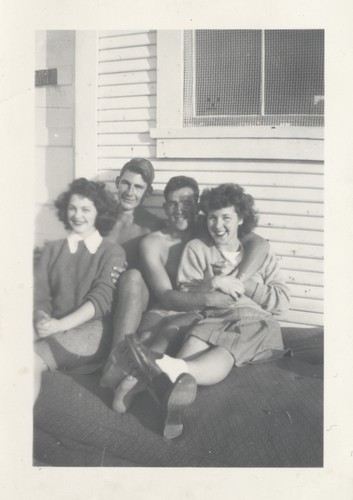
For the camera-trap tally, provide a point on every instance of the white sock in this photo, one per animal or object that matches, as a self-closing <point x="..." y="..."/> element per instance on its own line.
<point x="173" y="367"/>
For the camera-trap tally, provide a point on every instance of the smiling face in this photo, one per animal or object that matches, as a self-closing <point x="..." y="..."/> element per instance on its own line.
<point x="131" y="190"/>
<point x="180" y="209"/>
<point x="81" y="215"/>
<point x="222" y="224"/>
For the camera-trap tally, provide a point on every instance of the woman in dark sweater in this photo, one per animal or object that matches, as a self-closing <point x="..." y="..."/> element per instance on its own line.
<point x="73" y="290"/>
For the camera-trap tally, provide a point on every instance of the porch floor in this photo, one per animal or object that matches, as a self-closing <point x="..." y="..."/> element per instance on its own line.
<point x="266" y="415"/>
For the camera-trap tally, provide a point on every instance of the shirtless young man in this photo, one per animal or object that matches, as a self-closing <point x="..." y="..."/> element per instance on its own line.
<point x="160" y="254"/>
<point x="133" y="223"/>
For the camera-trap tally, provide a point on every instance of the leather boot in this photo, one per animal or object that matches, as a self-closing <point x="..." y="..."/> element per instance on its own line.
<point x="173" y="398"/>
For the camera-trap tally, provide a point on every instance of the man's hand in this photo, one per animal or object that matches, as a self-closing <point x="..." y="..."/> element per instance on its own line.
<point x="48" y="326"/>
<point x="229" y="285"/>
<point x="117" y="272"/>
<point x="219" y="300"/>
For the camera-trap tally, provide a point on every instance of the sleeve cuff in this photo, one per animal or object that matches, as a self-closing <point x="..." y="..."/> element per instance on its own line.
<point x="255" y="291"/>
<point x="98" y="312"/>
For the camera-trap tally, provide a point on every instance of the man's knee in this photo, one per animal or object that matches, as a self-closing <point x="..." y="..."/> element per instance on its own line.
<point x="131" y="277"/>
<point x="132" y="288"/>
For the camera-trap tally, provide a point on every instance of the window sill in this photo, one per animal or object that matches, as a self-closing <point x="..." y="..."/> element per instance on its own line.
<point x="273" y="132"/>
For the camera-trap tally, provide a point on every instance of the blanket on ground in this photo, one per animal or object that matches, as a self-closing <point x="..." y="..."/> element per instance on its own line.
<point x="265" y="415"/>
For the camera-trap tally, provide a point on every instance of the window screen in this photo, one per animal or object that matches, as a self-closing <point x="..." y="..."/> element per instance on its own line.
<point x="253" y="77"/>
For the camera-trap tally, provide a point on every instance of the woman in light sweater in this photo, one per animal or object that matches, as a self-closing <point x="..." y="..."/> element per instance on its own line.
<point x="73" y="290"/>
<point x="246" y="332"/>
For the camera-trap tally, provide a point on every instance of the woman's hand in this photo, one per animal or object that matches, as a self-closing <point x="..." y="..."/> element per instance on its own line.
<point x="229" y="285"/>
<point x="39" y="315"/>
<point x="48" y="326"/>
<point x="116" y="272"/>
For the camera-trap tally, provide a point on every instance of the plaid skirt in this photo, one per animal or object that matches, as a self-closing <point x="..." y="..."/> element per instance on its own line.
<point x="250" y="334"/>
<point x="80" y="350"/>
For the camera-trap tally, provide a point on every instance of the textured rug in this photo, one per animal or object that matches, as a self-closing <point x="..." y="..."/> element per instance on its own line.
<point x="266" y="415"/>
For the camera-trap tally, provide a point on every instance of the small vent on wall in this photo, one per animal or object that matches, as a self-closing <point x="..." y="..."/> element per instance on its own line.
<point x="46" y="77"/>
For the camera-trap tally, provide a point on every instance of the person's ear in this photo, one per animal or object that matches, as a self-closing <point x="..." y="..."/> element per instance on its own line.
<point x="117" y="180"/>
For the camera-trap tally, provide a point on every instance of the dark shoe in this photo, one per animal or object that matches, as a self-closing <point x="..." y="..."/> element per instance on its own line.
<point x="173" y="398"/>
<point x="142" y="359"/>
<point x="117" y="366"/>
<point x="182" y="394"/>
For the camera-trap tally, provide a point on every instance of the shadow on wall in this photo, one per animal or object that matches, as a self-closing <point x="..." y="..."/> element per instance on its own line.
<point x="47" y="226"/>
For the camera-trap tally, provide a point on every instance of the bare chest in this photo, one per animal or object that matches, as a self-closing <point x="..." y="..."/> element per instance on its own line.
<point x="124" y="232"/>
<point x="170" y="256"/>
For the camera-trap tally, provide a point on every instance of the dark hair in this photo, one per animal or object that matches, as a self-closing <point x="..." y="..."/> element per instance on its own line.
<point x="179" y="182"/>
<point x="227" y="195"/>
<point x="139" y="166"/>
<point x="106" y="205"/>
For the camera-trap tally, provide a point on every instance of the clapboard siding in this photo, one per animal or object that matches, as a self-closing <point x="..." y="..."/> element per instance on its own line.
<point x="126" y="95"/>
<point x="120" y="115"/>
<point x="139" y="101"/>
<point x="128" y="78"/>
<point x="135" y="89"/>
<point x="121" y="127"/>
<point x="121" y="39"/>
<point x="289" y="191"/>
<point x="129" y="65"/>
<point x="125" y="139"/>
<point x="235" y="166"/>
<point x="271" y="207"/>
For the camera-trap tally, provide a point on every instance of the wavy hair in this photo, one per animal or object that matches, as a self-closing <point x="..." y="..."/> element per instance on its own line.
<point x="227" y="195"/>
<point x="179" y="182"/>
<point x="104" y="201"/>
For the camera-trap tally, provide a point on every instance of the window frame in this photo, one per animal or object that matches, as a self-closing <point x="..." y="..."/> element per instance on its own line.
<point x="250" y="142"/>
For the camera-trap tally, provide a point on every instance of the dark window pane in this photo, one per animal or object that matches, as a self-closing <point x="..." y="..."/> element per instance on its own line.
<point x="294" y="72"/>
<point x="228" y="72"/>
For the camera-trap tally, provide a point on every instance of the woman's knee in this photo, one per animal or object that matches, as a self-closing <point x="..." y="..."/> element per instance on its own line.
<point x="191" y="347"/>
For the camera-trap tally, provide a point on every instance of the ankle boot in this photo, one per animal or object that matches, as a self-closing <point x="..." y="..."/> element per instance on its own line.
<point x="173" y="398"/>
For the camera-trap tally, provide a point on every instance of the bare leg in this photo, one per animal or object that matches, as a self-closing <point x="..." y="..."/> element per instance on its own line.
<point x="132" y="301"/>
<point x="123" y="394"/>
<point x="165" y="334"/>
<point x="211" y="366"/>
<point x="192" y="347"/>
<point x="150" y="325"/>
<point x="207" y="364"/>
<point x="158" y="333"/>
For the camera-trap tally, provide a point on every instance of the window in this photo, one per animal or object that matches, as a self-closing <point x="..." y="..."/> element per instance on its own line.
<point x="240" y="94"/>
<point x="253" y="77"/>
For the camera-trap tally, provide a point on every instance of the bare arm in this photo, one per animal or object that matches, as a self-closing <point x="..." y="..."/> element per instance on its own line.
<point x="49" y="326"/>
<point x="255" y="252"/>
<point x="159" y="282"/>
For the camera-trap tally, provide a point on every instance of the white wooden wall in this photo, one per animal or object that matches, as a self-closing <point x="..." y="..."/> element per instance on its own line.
<point x="289" y="194"/>
<point x="54" y="125"/>
<point x="126" y="96"/>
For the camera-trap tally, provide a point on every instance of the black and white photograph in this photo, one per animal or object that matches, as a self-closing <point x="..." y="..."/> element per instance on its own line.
<point x="175" y="305"/>
<point x="178" y="283"/>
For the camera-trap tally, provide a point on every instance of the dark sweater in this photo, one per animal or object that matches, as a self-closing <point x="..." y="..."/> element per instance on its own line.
<point x="64" y="281"/>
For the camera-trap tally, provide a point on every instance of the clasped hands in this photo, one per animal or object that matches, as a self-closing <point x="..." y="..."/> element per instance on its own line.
<point x="229" y="285"/>
<point x="45" y="325"/>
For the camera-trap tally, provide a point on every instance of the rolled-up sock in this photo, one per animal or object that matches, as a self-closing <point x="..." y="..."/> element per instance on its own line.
<point x="173" y="367"/>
